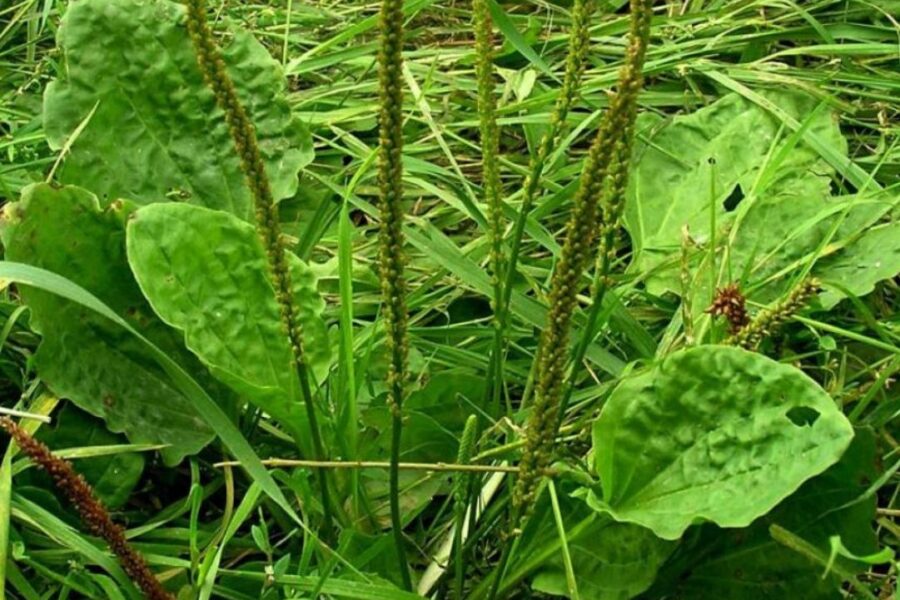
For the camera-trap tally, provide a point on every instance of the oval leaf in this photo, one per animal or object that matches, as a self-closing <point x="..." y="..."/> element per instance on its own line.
<point x="712" y="433"/>
<point x="133" y="76"/>
<point x="83" y="357"/>
<point x="747" y="564"/>
<point x="874" y="257"/>
<point x="113" y="477"/>
<point x="205" y="273"/>
<point x="707" y="156"/>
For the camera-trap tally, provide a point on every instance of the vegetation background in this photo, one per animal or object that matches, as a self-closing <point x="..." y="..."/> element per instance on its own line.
<point x="764" y="72"/>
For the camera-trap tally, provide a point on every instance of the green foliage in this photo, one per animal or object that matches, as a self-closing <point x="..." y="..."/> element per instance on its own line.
<point x="204" y="273"/>
<point x="735" y="151"/>
<point x="699" y="159"/>
<point x="113" y="478"/>
<point x="611" y="561"/>
<point x="872" y="257"/>
<point x="712" y="434"/>
<point x="151" y="303"/>
<point x="131" y="71"/>
<point x="748" y="563"/>
<point x="82" y="356"/>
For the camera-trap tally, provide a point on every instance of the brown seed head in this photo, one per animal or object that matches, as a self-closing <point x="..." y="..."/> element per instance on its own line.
<point x="93" y="514"/>
<point x="730" y="303"/>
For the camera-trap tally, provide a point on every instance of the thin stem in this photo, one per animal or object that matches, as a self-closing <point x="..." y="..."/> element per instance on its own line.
<point x="392" y="256"/>
<point x="377" y="464"/>
<point x="396" y="520"/>
<point x="24" y="415"/>
<point x="243" y="134"/>
<point x="500" y="571"/>
<point x="490" y="148"/>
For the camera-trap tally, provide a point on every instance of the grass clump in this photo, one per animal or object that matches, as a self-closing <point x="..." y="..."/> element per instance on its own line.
<point x="526" y="242"/>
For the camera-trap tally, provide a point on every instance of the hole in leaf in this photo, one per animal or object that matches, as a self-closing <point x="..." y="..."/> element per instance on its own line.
<point x="842" y="187"/>
<point x="733" y="199"/>
<point x="802" y="415"/>
<point x="835" y="188"/>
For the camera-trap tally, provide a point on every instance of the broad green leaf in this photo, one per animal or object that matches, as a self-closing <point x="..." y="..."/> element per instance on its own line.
<point x="699" y="160"/>
<point x="205" y="272"/>
<point x="783" y="233"/>
<point x="774" y="211"/>
<point x="213" y="414"/>
<point x="712" y="433"/>
<point x="156" y="131"/>
<point x="82" y="356"/>
<point x="875" y="256"/>
<point x="747" y="564"/>
<point x="611" y="561"/>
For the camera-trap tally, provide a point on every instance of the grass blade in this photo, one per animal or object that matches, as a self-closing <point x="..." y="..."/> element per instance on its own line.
<point x="206" y="407"/>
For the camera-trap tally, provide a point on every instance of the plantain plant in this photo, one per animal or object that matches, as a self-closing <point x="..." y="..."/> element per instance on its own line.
<point x="178" y="279"/>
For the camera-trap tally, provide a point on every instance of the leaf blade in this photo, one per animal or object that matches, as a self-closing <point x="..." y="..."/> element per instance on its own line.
<point x="713" y="433"/>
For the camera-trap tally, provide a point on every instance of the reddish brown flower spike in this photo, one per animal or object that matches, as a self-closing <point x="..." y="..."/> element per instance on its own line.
<point x="731" y="304"/>
<point x="93" y="514"/>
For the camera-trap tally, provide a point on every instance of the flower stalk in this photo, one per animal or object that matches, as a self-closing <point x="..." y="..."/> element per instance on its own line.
<point x="768" y="321"/>
<point x="93" y="513"/>
<point x="243" y="133"/>
<point x="461" y="494"/>
<point x="579" y="42"/>
<point x="392" y="257"/>
<point x="490" y="149"/>
<point x="596" y="212"/>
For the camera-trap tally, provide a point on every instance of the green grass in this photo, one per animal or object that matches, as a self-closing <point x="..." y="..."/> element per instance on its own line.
<point x="233" y="533"/>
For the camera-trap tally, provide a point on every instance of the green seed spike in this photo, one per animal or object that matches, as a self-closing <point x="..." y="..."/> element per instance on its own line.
<point x="209" y="59"/>
<point x="612" y="204"/>
<point x="579" y="42"/>
<point x="392" y="257"/>
<point x="490" y="148"/>
<point x="461" y="497"/>
<point x="595" y="209"/>
<point x="769" y="320"/>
